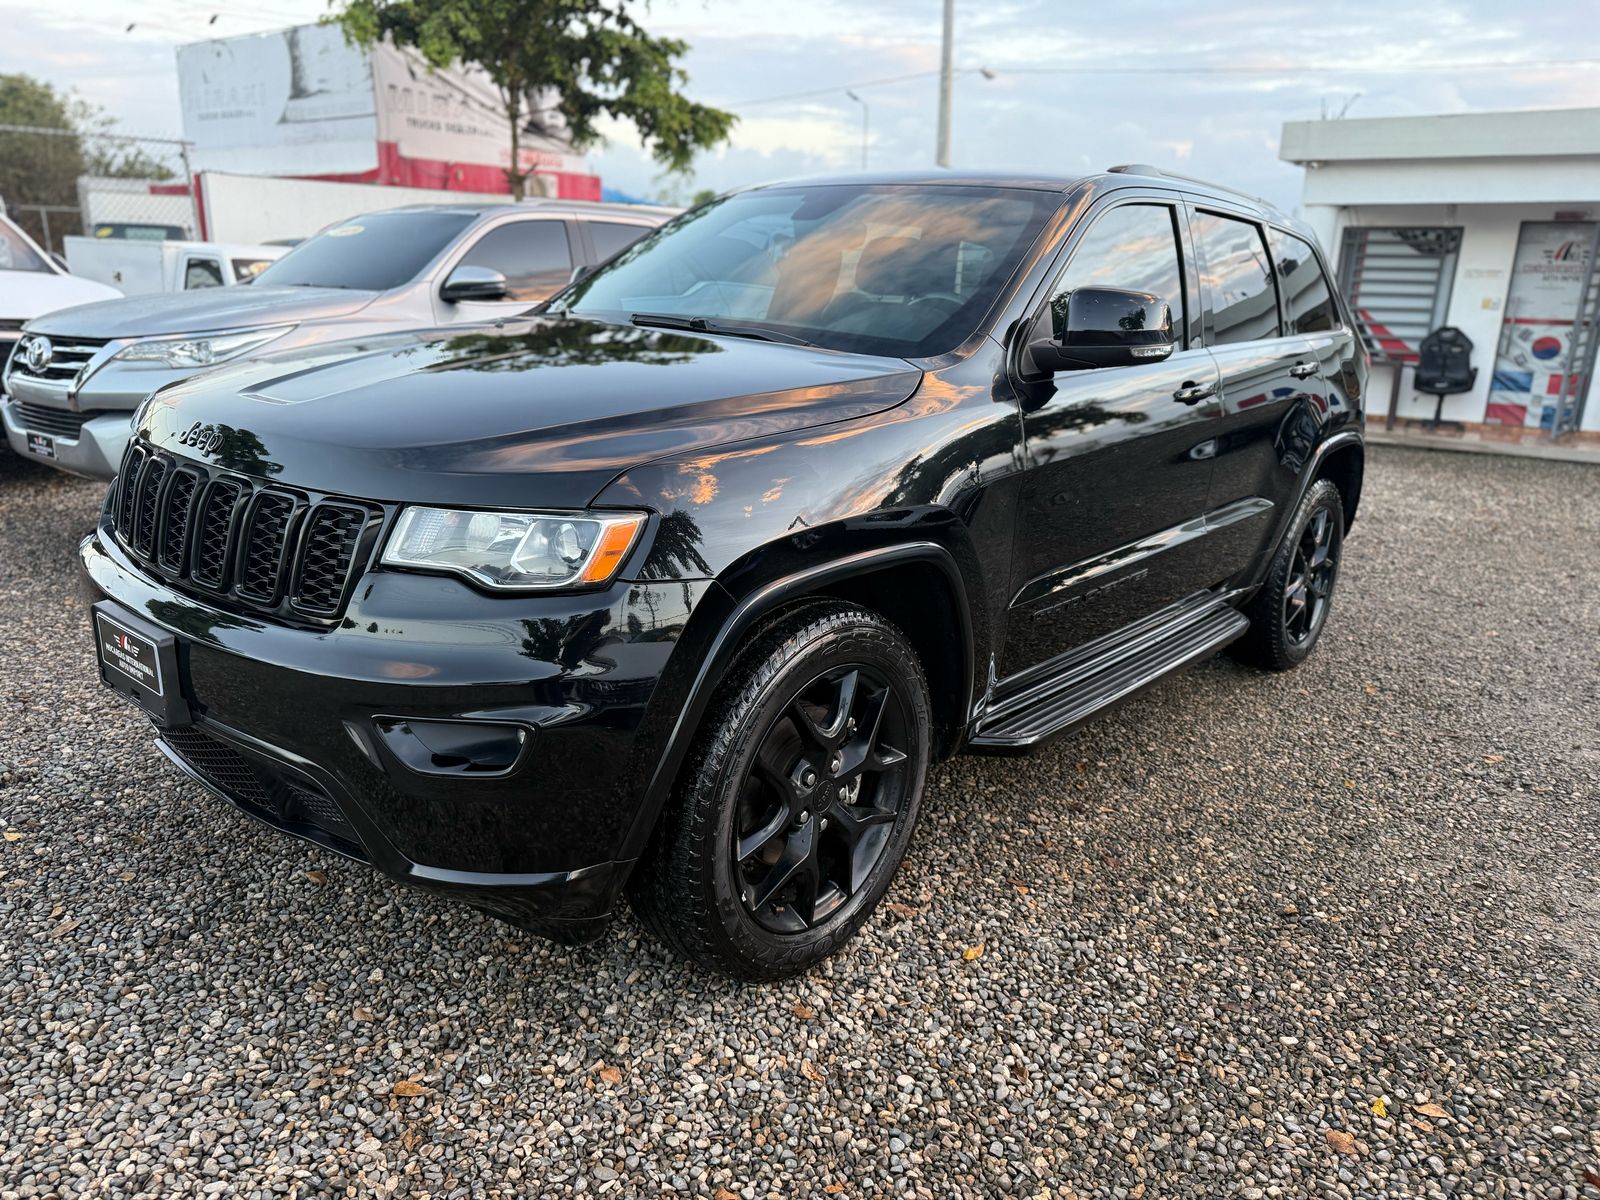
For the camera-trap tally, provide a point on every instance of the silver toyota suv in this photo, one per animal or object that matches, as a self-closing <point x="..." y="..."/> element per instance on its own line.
<point x="77" y="375"/>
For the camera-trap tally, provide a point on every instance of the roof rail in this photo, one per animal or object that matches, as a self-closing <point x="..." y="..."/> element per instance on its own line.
<point x="1147" y="169"/>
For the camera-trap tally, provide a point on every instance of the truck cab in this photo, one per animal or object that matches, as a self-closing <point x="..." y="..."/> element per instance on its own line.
<point x="139" y="267"/>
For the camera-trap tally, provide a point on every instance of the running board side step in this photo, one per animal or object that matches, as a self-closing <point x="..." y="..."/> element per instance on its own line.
<point x="1094" y="683"/>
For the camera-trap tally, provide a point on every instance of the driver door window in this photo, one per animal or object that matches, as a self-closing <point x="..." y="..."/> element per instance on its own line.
<point x="534" y="256"/>
<point x="1134" y="247"/>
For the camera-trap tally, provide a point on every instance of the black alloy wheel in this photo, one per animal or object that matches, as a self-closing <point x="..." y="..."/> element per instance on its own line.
<point x="819" y="799"/>
<point x="1290" y="610"/>
<point x="1311" y="576"/>
<point x="798" y="801"/>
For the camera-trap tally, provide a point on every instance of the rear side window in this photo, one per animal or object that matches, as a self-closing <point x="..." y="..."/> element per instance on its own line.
<point x="608" y="237"/>
<point x="1236" y="280"/>
<point x="1134" y="247"/>
<point x="1307" y="298"/>
<point x="532" y="255"/>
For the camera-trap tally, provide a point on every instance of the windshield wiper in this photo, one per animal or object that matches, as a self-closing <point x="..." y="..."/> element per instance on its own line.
<point x="714" y="325"/>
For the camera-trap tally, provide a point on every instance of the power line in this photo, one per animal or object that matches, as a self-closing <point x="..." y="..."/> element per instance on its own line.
<point x="1287" y="69"/>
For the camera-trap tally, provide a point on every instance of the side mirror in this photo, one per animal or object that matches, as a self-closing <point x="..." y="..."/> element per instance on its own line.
<point x="474" y="283"/>
<point x="1103" y="327"/>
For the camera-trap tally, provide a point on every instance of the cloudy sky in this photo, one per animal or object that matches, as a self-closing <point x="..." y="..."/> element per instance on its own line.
<point x="1200" y="88"/>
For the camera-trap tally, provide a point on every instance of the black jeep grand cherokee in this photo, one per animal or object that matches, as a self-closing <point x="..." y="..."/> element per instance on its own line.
<point x="679" y="584"/>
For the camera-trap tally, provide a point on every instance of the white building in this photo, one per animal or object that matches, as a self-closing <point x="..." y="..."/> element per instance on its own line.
<point x="1486" y="221"/>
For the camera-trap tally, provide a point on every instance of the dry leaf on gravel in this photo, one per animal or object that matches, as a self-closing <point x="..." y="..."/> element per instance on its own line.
<point x="833" y="1189"/>
<point x="723" y="1193"/>
<point x="1380" y="1107"/>
<point x="611" y="1075"/>
<point x="1432" y="1110"/>
<point x="972" y="952"/>
<point x="11" y="835"/>
<point x="1341" y="1141"/>
<point x="410" y="1087"/>
<point x="1022" y="888"/>
<point x="803" y="1011"/>
<point x="317" y="876"/>
<point x="810" y="1071"/>
<point x="1494" y="758"/>
<point x="364" y="1014"/>
<point x="903" y="911"/>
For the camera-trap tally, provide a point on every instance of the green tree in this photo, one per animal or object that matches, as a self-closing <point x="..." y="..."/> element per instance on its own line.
<point x="591" y="56"/>
<point x="38" y="168"/>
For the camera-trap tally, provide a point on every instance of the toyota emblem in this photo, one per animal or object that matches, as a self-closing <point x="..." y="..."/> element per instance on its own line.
<point x="36" y="353"/>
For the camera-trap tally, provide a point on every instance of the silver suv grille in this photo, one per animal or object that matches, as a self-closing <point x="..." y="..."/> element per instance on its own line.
<point x="68" y="356"/>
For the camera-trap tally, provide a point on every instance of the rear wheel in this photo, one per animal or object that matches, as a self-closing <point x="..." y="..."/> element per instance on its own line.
<point x="799" y="799"/>
<point x="1288" y="614"/>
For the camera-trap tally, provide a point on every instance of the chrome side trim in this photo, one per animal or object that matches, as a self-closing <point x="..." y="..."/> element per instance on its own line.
<point x="1063" y="579"/>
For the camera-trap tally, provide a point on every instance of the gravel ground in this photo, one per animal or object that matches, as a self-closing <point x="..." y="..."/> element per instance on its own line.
<point x="1334" y="933"/>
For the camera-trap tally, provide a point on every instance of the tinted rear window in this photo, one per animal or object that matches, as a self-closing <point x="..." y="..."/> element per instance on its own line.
<point x="1307" y="299"/>
<point x="371" y="253"/>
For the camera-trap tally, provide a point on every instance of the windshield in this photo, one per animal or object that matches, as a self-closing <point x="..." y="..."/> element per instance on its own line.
<point x="16" y="254"/>
<point x="373" y="253"/>
<point x="882" y="269"/>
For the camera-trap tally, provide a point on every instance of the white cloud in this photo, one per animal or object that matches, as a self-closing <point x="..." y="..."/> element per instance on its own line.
<point x="1223" y="126"/>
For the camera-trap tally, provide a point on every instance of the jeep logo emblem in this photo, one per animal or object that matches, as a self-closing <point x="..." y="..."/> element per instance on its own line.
<point x="204" y="438"/>
<point x="36" y="353"/>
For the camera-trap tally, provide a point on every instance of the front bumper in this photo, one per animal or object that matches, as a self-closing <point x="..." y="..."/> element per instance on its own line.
<point x="103" y="398"/>
<point x="94" y="449"/>
<point x="286" y="725"/>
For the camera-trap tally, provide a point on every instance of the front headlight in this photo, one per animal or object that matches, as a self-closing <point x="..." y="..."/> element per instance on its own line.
<point x="199" y="349"/>
<point x="515" y="550"/>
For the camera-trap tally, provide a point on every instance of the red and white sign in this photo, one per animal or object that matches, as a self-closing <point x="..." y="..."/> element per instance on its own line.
<point x="301" y="102"/>
<point x="1531" y="363"/>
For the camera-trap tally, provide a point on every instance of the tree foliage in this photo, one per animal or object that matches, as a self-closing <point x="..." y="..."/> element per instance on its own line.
<point x="585" y="59"/>
<point x="38" y="168"/>
<point x="41" y="169"/>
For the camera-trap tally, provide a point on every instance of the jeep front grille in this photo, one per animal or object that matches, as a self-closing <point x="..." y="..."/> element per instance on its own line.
<point x="270" y="548"/>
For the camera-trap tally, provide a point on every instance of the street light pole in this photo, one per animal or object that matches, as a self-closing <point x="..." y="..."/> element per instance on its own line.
<point x="946" y="60"/>
<point x="863" y="104"/>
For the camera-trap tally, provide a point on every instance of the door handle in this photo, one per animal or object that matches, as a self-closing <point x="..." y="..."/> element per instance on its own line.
<point x="1303" y="370"/>
<point x="1193" y="393"/>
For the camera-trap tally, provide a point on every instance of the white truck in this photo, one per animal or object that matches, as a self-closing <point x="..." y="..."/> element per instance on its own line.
<point x="139" y="267"/>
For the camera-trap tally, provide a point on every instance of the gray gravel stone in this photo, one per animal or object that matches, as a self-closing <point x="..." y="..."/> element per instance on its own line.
<point x="1258" y="911"/>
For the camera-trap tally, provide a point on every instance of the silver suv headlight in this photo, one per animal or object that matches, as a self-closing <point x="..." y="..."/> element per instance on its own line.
<point x="200" y="349"/>
<point x="515" y="550"/>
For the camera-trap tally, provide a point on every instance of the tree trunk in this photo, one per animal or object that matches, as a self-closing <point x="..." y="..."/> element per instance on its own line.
<point x="514" y="174"/>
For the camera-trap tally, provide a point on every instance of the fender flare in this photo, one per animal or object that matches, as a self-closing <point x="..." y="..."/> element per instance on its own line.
<point x="1347" y="437"/>
<point x="746" y="613"/>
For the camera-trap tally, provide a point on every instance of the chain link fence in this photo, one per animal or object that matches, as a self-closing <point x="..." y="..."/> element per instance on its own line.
<point x="56" y="183"/>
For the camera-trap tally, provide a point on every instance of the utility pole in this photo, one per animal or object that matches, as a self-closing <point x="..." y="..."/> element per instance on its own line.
<point x="946" y="71"/>
<point x="863" y="104"/>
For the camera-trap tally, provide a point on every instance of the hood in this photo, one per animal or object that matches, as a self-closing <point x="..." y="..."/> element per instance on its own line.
<point x="537" y="413"/>
<point x="204" y="310"/>
<point x="28" y="294"/>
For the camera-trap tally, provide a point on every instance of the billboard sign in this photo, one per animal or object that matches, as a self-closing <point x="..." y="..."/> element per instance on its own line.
<point x="303" y="102"/>
<point x="295" y="101"/>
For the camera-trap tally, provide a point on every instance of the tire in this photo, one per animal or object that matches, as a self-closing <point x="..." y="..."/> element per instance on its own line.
<point x="1289" y="612"/>
<point x="797" y="802"/>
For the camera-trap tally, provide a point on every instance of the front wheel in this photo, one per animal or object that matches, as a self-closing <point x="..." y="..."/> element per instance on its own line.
<point x="1288" y="614"/>
<point x="798" y="801"/>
